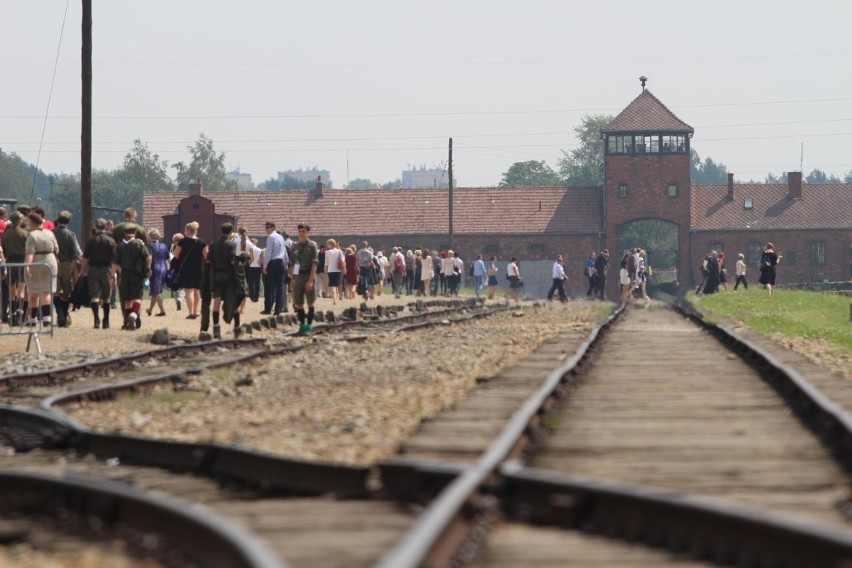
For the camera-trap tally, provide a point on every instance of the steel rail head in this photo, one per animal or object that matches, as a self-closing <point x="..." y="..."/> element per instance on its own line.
<point x="28" y="428"/>
<point x="197" y="532"/>
<point x="704" y="527"/>
<point x="425" y="537"/>
<point x="824" y="417"/>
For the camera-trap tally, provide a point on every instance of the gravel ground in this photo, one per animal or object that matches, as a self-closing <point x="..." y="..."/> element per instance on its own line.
<point x="342" y="402"/>
<point x="82" y="342"/>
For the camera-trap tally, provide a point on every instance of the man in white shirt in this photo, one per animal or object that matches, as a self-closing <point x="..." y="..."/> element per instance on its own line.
<point x="275" y="260"/>
<point x="558" y="281"/>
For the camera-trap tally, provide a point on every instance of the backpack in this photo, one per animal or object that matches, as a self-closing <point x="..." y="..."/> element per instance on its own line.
<point x="470" y="269"/>
<point x="399" y="263"/>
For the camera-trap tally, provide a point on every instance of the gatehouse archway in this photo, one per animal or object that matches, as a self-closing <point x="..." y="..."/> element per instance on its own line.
<point x="659" y="239"/>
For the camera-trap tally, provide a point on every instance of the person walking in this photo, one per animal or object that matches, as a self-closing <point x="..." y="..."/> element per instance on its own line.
<point x="41" y="248"/>
<point x="741" y="272"/>
<point x="427" y="272"/>
<point x="178" y="295"/>
<point x="68" y="259"/>
<point x="335" y="267"/>
<point x="97" y="266"/>
<point x="478" y="271"/>
<point x="132" y="263"/>
<point x="723" y="271"/>
<point x="592" y="274"/>
<point x="601" y="263"/>
<point x="711" y="284"/>
<point x="492" y="277"/>
<point x="558" y="273"/>
<point x="14" y="248"/>
<point x="159" y="260"/>
<point x="303" y="271"/>
<point x="275" y="259"/>
<point x="513" y="272"/>
<point x="190" y="251"/>
<point x="226" y="279"/>
<point x="768" y="261"/>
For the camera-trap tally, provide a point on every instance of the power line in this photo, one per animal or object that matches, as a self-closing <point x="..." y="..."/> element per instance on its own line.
<point x="425" y="137"/>
<point x="49" y="98"/>
<point x="448" y="63"/>
<point x="411" y="114"/>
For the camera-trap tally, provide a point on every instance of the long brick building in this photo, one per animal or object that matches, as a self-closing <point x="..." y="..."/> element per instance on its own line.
<point x="647" y="200"/>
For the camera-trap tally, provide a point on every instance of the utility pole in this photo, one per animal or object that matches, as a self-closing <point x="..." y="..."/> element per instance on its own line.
<point x="450" y="173"/>
<point x="86" y="127"/>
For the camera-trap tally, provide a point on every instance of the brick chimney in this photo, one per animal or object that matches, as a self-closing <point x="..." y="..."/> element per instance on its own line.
<point x="794" y="185"/>
<point x="319" y="186"/>
<point x="195" y="188"/>
<point x="730" y="187"/>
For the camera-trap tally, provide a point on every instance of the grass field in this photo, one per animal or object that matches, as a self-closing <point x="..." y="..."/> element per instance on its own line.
<point x="793" y="313"/>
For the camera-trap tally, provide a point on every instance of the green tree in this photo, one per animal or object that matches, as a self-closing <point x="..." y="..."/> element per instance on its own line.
<point x="772" y="178"/>
<point x="848" y="177"/>
<point x="583" y="166"/>
<point x="16" y="180"/>
<point x="530" y="174"/>
<point x="361" y="183"/>
<point x="207" y="166"/>
<point x="708" y="171"/>
<point x="819" y="176"/>
<point x="144" y="169"/>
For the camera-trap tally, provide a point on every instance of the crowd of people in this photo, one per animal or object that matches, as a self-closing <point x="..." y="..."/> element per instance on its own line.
<point x="124" y="260"/>
<point x="714" y="271"/>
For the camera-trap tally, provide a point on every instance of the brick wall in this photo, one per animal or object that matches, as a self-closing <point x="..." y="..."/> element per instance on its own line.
<point x="647" y="177"/>
<point x="795" y="245"/>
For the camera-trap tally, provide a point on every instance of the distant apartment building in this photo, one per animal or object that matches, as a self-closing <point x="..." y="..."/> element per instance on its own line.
<point x="423" y="177"/>
<point x="307" y="175"/>
<point x="243" y="180"/>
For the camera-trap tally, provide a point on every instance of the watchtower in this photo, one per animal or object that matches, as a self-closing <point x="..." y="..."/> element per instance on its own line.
<point x="647" y="188"/>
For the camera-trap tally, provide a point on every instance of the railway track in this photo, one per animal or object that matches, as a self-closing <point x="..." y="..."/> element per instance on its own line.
<point x="667" y="437"/>
<point x="288" y="491"/>
<point x="644" y="466"/>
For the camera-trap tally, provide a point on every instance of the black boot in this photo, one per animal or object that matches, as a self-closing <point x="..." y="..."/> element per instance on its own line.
<point x="105" y="324"/>
<point x="94" y="307"/>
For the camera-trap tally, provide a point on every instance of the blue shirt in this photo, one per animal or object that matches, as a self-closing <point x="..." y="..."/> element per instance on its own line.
<point x="275" y="249"/>
<point x="478" y="267"/>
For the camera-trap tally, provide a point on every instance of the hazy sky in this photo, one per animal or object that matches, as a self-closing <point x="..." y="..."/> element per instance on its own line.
<point x="281" y="84"/>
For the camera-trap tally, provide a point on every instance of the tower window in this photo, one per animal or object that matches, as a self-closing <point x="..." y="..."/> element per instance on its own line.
<point x="674" y="143"/>
<point x="619" y="144"/>
<point x="622" y="190"/>
<point x="672" y="190"/>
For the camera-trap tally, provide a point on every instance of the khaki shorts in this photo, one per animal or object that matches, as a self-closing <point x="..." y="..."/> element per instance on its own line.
<point x="99" y="285"/>
<point x="130" y="286"/>
<point x="299" y="292"/>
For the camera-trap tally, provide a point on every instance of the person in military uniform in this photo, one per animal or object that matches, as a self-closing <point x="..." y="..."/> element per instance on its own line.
<point x="227" y="279"/>
<point x="68" y="256"/>
<point x="14" y="245"/>
<point x="97" y="260"/>
<point x="128" y="220"/>
<point x="132" y="263"/>
<point x="304" y="257"/>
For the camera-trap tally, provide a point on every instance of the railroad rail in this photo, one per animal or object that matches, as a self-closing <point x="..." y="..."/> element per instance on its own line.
<point x="462" y="498"/>
<point x="466" y="490"/>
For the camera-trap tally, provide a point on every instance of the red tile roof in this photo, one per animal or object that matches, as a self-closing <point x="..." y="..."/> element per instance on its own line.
<point x="823" y="206"/>
<point x="646" y="114"/>
<point x="521" y="210"/>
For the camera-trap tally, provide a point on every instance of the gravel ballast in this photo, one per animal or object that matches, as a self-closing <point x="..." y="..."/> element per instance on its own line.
<point x="341" y="402"/>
